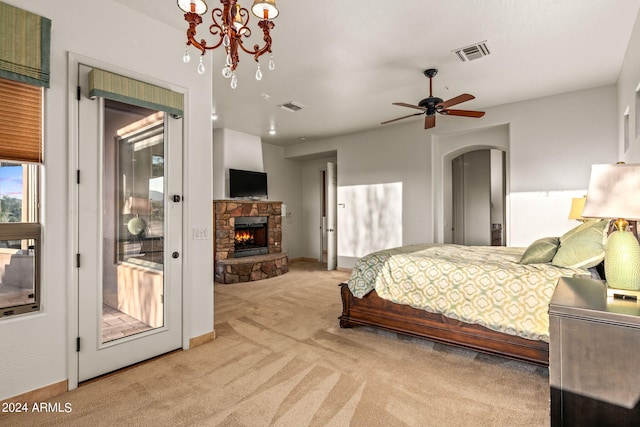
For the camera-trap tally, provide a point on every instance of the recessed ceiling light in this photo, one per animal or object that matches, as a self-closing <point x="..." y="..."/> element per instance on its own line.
<point x="214" y="116"/>
<point x="272" y="131"/>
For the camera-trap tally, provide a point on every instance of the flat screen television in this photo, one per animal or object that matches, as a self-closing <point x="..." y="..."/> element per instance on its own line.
<point x="247" y="184"/>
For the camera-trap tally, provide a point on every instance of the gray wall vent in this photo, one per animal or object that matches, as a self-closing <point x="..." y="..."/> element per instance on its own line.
<point x="470" y="53"/>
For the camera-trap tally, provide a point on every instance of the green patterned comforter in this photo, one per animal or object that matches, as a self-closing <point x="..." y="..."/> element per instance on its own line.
<point x="474" y="284"/>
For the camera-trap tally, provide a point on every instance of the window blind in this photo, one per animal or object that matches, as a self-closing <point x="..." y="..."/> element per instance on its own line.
<point x="20" y="122"/>
<point x="123" y="89"/>
<point x="25" y="42"/>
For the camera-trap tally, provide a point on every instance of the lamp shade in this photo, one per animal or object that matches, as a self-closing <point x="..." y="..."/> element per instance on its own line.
<point x="196" y="6"/>
<point x="614" y="192"/>
<point x="265" y="9"/>
<point x="577" y="205"/>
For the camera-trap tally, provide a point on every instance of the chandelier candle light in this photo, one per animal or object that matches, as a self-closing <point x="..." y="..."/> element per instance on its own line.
<point x="230" y="24"/>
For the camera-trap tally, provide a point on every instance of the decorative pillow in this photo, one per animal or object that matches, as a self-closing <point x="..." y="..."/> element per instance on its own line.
<point x="541" y="251"/>
<point x="585" y="224"/>
<point x="583" y="246"/>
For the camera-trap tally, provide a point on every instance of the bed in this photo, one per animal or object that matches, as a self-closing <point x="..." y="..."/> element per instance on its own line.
<point x="491" y="299"/>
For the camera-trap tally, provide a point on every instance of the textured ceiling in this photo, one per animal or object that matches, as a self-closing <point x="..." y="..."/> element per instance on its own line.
<point x="347" y="61"/>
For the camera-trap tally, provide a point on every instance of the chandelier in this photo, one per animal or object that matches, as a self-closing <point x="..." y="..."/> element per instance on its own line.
<point x="230" y="24"/>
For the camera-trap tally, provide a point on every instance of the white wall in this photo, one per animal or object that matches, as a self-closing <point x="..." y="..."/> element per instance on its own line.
<point x="36" y="347"/>
<point x="551" y="145"/>
<point x="386" y="155"/>
<point x="219" y="178"/>
<point x="628" y="86"/>
<point x="541" y="214"/>
<point x="377" y="209"/>
<point x="235" y="150"/>
<point x="285" y="186"/>
<point x="555" y="154"/>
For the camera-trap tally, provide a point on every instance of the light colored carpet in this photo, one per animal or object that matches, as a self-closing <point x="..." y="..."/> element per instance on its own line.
<point x="281" y="359"/>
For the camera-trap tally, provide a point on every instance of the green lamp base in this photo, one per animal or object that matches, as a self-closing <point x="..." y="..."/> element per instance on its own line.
<point x="622" y="261"/>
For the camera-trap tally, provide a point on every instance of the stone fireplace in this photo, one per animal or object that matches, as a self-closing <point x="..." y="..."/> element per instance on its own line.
<point x="247" y="241"/>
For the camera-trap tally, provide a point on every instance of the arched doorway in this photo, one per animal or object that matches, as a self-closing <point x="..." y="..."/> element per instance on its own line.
<point x="478" y="198"/>
<point x="448" y="147"/>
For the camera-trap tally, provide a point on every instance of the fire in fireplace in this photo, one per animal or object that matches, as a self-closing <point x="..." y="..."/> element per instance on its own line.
<point x="251" y="236"/>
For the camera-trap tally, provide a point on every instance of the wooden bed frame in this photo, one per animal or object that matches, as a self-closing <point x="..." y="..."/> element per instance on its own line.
<point x="375" y="311"/>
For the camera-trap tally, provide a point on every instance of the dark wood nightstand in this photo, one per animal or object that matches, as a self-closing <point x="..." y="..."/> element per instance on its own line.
<point x="594" y="356"/>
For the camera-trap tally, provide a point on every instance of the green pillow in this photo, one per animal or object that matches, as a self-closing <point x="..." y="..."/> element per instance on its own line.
<point x="583" y="225"/>
<point x="582" y="247"/>
<point x="541" y="251"/>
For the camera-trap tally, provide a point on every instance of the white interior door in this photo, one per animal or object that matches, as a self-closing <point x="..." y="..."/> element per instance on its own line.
<point x="477" y="204"/>
<point x="471" y="198"/>
<point x="457" y="183"/>
<point x="129" y="233"/>
<point x="332" y="216"/>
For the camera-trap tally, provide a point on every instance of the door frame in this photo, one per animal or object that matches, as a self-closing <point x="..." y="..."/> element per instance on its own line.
<point x="332" y="215"/>
<point x="323" y="203"/>
<point x="472" y="176"/>
<point x="444" y="148"/>
<point x="73" y="62"/>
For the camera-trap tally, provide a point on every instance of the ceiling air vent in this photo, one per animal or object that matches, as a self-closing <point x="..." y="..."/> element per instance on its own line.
<point x="291" y="106"/>
<point x="472" y="52"/>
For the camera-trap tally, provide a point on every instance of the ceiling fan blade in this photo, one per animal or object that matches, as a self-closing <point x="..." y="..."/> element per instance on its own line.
<point x="402" y="104"/>
<point x="400" y="118"/>
<point x="464" y="113"/>
<point x="456" y="100"/>
<point x="429" y="122"/>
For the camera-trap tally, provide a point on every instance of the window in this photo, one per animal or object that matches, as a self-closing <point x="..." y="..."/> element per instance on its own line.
<point x="20" y="230"/>
<point x="25" y="45"/>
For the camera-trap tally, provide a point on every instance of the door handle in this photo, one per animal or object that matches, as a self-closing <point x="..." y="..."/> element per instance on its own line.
<point x="175" y="255"/>
<point x="176" y="198"/>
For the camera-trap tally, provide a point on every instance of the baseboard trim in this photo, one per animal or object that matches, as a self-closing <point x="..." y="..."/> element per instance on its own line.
<point x="41" y="394"/>
<point x="202" y="339"/>
<point x="304" y="259"/>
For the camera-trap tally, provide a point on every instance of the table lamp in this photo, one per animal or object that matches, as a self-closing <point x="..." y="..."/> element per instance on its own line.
<point x="577" y="205"/>
<point x="614" y="193"/>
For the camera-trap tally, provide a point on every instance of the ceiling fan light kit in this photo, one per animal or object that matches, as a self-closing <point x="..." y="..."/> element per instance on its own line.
<point x="230" y="25"/>
<point x="432" y="105"/>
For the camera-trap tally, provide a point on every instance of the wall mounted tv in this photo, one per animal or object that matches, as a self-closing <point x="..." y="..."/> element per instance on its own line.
<point x="247" y="184"/>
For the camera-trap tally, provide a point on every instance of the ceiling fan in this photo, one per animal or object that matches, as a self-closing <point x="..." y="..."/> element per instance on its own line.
<point x="432" y="105"/>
